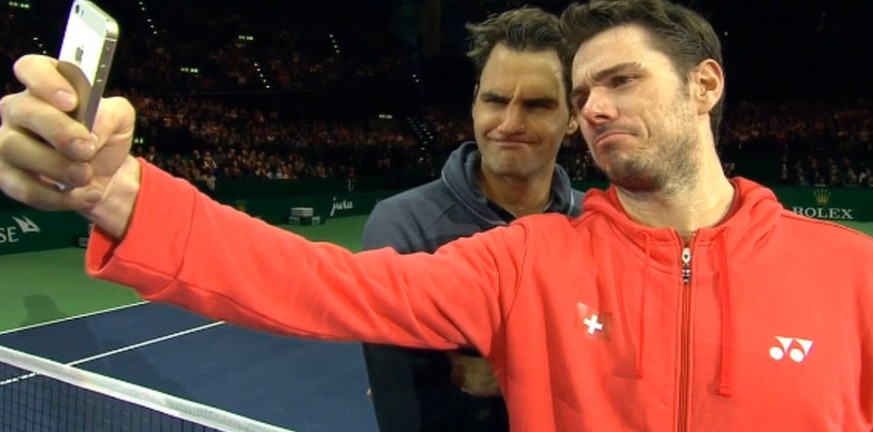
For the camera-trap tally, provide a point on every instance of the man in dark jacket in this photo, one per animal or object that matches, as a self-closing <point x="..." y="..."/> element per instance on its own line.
<point x="521" y="116"/>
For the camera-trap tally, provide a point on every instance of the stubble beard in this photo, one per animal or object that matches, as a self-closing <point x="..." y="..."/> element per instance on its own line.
<point x="664" y="168"/>
<point x="667" y="165"/>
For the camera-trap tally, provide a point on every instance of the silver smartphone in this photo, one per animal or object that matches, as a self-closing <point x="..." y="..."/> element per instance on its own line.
<point x="86" y="54"/>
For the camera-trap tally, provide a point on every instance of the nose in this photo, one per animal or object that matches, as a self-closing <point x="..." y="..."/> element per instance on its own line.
<point x="513" y="121"/>
<point x="599" y="108"/>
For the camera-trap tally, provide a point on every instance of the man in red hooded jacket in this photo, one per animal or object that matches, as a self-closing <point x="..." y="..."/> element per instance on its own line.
<point x="680" y="300"/>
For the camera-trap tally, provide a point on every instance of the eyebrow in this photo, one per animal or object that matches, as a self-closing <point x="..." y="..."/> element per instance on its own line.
<point x="544" y="101"/>
<point x="491" y="96"/>
<point x="602" y="74"/>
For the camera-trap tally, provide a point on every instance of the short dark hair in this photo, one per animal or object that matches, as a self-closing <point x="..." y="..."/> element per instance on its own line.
<point x="526" y="29"/>
<point x="685" y="36"/>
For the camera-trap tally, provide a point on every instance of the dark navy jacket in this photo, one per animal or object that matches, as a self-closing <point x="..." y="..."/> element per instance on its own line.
<point x="411" y="388"/>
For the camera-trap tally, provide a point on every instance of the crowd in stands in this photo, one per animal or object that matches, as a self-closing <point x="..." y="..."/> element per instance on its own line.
<point x="823" y="143"/>
<point x="201" y="139"/>
<point x="187" y="126"/>
<point x="250" y="52"/>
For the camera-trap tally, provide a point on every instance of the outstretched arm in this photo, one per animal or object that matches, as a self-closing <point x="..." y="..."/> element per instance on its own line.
<point x="183" y="248"/>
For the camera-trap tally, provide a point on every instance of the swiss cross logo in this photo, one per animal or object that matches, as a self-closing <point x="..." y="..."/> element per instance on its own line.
<point x="589" y="321"/>
<point x="794" y="348"/>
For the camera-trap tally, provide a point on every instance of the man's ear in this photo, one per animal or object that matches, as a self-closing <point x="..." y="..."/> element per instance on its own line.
<point x="707" y="80"/>
<point x="573" y="124"/>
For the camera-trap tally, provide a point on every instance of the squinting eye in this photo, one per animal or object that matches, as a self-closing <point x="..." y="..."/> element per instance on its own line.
<point x="536" y="107"/>
<point x="622" y="80"/>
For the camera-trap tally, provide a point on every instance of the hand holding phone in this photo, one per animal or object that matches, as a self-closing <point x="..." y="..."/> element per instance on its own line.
<point x="86" y="54"/>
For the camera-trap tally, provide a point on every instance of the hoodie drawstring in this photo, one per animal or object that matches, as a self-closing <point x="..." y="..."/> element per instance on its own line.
<point x="642" y="323"/>
<point x="725" y="386"/>
<point x="725" y="380"/>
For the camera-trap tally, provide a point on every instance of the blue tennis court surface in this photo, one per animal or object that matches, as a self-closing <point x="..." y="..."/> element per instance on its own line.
<point x="301" y="385"/>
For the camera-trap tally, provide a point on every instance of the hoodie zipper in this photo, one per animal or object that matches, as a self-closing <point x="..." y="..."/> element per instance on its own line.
<point x="686" y="265"/>
<point x="684" y="354"/>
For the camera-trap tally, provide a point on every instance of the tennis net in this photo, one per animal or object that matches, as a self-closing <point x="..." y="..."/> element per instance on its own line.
<point x="38" y="394"/>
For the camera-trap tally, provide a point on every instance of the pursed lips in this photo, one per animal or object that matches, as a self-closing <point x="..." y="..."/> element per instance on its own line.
<point x="511" y="142"/>
<point x="606" y="135"/>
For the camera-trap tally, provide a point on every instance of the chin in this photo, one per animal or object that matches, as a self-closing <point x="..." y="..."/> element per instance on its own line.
<point x="638" y="183"/>
<point x="631" y="177"/>
<point x="510" y="169"/>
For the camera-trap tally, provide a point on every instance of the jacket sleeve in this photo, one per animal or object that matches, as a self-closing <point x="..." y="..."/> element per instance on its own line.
<point x="185" y="249"/>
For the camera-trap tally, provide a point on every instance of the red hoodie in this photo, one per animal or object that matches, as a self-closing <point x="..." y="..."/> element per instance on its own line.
<point x="765" y="323"/>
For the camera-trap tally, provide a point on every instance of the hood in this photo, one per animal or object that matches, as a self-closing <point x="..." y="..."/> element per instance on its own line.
<point x="751" y="223"/>
<point x="460" y="175"/>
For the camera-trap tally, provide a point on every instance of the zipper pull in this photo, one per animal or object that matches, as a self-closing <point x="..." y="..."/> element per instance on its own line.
<point x="686" y="265"/>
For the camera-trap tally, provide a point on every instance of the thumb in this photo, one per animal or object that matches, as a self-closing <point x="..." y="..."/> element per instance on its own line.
<point x="115" y="120"/>
<point x="113" y="130"/>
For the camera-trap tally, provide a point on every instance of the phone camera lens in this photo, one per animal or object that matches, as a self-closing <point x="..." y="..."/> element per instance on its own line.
<point x="77" y="8"/>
